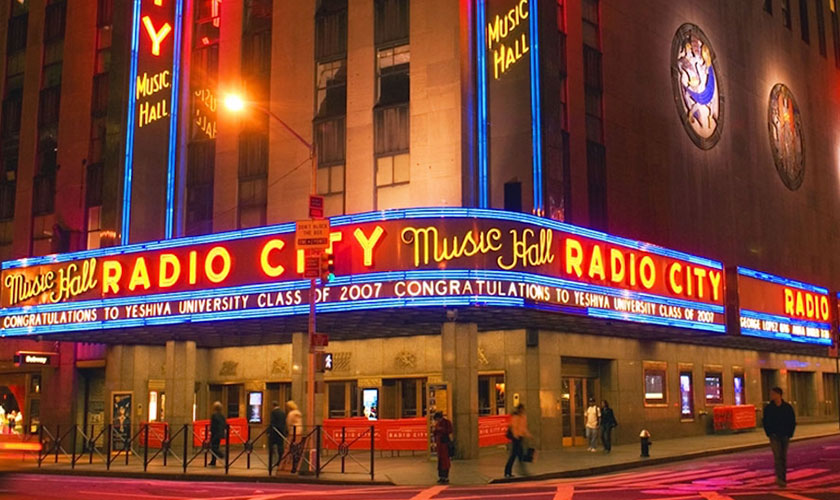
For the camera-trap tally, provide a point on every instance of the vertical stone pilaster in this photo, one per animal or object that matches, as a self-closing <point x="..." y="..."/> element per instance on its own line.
<point x="299" y="366"/>
<point x="459" y="351"/>
<point x="180" y="382"/>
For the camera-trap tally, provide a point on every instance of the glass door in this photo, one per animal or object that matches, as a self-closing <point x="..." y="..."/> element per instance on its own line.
<point x="576" y="394"/>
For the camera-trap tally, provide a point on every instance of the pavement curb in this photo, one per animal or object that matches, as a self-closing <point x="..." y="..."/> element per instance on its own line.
<point x="606" y="469"/>
<point x="167" y="476"/>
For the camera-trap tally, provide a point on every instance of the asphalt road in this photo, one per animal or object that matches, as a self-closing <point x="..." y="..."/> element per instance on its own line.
<point x="814" y="474"/>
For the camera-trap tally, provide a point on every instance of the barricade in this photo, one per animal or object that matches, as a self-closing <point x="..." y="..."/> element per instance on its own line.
<point x="734" y="418"/>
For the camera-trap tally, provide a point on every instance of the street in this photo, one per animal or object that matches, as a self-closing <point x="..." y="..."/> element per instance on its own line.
<point x="813" y="474"/>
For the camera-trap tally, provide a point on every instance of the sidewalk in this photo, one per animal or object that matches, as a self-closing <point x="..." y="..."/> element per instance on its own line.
<point x="577" y="462"/>
<point x="421" y="470"/>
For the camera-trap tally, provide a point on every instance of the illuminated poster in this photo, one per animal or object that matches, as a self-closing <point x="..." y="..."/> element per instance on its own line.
<point x="782" y="309"/>
<point x="509" y="133"/>
<point x="121" y="420"/>
<point x="151" y="131"/>
<point x="370" y="403"/>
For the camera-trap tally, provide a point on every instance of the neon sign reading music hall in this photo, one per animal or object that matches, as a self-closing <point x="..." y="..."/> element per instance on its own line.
<point x="399" y="258"/>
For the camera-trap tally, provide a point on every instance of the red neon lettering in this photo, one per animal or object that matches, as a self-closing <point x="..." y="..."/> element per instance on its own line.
<point x="155" y="35"/>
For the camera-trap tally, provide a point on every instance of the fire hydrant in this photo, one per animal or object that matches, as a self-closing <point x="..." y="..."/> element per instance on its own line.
<point x="644" y="437"/>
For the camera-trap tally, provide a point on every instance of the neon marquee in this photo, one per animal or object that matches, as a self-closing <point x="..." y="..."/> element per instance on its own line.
<point x="782" y="309"/>
<point x="399" y="258"/>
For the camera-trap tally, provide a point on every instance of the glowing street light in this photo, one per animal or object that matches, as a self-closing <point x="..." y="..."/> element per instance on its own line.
<point x="234" y="102"/>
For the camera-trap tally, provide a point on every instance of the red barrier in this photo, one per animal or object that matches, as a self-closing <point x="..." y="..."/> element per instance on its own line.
<point x="157" y="433"/>
<point x="492" y="430"/>
<point x="404" y="434"/>
<point x="734" y="417"/>
<point x="238" y="431"/>
<point x="395" y="434"/>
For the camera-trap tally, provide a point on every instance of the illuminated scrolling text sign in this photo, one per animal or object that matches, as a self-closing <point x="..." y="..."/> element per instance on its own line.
<point x="778" y="308"/>
<point x="401" y="258"/>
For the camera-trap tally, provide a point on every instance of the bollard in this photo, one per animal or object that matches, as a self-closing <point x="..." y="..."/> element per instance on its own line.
<point x="184" y="461"/>
<point x="110" y="445"/>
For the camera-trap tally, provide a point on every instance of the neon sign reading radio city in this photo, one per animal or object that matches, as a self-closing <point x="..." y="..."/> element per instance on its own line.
<point x="502" y="28"/>
<point x="401" y="258"/>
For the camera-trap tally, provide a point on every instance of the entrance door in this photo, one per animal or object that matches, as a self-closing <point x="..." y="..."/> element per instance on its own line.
<point x="232" y="398"/>
<point x="576" y="394"/>
<point x="801" y="392"/>
<point x="831" y="387"/>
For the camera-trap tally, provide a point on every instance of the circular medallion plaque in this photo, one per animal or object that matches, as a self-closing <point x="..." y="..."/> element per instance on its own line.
<point x="695" y="80"/>
<point x="786" y="141"/>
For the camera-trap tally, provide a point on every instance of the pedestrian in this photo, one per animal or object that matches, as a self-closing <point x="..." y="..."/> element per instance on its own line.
<point x="443" y="441"/>
<point x="779" y="423"/>
<point x="517" y="432"/>
<point x="608" y="422"/>
<point x="294" y="426"/>
<point x="592" y="418"/>
<point x="277" y="432"/>
<point x="218" y="424"/>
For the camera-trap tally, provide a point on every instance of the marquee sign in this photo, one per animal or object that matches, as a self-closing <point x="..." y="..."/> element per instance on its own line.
<point x="26" y="358"/>
<point x="782" y="309"/>
<point x="151" y="132"/>
<point x="397" y="258"/>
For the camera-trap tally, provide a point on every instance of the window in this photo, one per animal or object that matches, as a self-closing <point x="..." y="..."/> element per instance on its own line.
<point x="392" y="76"/>
<point x="392" y="170"/>
<point x="491" y="395"/>
<point x="12" y="108"/>
<point x="738" y="386"/>
<point x="42" y="233"/>
<point x="54" y="22"/>
<point x="330" y="125"/>
<point x="686" y="394"/>
<point x="597" y="184"/>
<point x="655" y="385"/>
<point x="768" y="6"/>
<point x="18" y="29"/>
<point x="803" y="21"/>
<point x="818" y="5"/>
<point x="104" y="13"/>
<point x="392" y="21"/>
<point x="835" y="31"/>
<point x="342" y="399"/>
<point x="331" y="30"/>
<point x="201" y="156"/>
<point x="93" y="230"/>
<point x="786" y="13"/>
<point x="7" y="201"/>
<point x="713" y="383"/>
<point x="253" y="178"/>
<point x="391" y="130"/>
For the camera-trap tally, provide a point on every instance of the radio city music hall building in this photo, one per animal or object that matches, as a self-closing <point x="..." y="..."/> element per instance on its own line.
<point x="530" y="202"/>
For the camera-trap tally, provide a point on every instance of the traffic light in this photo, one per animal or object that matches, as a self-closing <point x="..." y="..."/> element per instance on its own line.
<point x="327" y="267"/>
<point x="323" y="362"/>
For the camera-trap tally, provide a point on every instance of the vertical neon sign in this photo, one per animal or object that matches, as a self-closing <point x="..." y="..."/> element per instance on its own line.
<point x="508" y="71"/>
<point x="151" y="135"/>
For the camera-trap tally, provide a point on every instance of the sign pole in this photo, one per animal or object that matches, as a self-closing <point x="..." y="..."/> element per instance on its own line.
<point x="310" y="391"/>
<point x="837" y="386"/>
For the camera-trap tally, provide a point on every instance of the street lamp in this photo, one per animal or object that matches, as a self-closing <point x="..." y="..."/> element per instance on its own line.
<point x="237" y="104"/>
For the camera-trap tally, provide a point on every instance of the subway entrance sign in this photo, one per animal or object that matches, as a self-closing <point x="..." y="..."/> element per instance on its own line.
<point x="405" y="258"/>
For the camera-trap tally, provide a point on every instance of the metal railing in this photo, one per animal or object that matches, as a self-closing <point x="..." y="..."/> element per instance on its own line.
<point x="313" y="452"/>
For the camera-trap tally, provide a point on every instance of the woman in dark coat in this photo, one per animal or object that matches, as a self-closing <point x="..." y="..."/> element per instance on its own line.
<point x="443" y="438"/>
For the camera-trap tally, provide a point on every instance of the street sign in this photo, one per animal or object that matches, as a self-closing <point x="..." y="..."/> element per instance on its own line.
<point x="319" y="342"/>
<point x="312" y="234"/>
<point x="312" y="266"/>
<point x="316" y="206"/>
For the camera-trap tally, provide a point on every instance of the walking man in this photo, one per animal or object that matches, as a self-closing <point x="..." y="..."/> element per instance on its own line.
<point x="592" y="417"/>
<point x="277" y="432"/>
<point x="218" y="424"/>
<point x="779" y="423"/>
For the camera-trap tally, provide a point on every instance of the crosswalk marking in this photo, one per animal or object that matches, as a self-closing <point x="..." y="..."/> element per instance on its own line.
<point x="429" y="493"/>
<point x="564" y="492"/>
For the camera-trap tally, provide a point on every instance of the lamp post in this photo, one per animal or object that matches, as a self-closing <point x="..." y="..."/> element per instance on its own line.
<point x="235" y="103"/>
